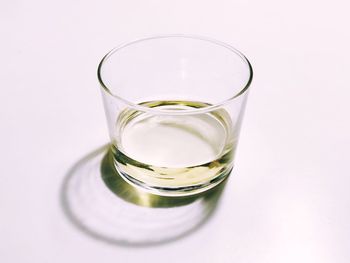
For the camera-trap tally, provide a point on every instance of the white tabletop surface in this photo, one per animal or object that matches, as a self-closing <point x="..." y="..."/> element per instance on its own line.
<point x="288" y="199"/>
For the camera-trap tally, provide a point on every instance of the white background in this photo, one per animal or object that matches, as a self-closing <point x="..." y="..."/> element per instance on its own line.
<point x="289" y="198"/>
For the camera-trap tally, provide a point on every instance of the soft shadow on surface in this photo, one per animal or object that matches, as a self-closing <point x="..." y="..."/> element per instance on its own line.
<point x="101" y="204"/>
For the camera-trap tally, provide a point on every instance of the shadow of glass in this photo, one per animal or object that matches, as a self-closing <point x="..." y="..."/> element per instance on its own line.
<point x="100" y="203"/>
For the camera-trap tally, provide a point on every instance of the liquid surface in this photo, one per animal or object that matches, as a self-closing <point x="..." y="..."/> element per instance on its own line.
<point x="173" y="151"/>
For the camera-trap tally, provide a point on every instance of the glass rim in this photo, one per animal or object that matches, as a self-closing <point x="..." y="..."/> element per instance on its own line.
<point x="183" y="111"/>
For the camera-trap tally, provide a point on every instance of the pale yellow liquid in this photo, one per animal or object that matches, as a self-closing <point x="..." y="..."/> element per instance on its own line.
<point x="171" y="153"/>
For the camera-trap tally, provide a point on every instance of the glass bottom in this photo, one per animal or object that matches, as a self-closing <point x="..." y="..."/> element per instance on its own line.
<point x="174" y="191"/>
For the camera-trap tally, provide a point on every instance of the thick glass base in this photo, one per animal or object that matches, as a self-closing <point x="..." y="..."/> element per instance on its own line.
<point x="174" y="191"/>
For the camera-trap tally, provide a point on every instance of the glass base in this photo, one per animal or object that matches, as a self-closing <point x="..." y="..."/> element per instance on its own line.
<point x="174" y="191"/>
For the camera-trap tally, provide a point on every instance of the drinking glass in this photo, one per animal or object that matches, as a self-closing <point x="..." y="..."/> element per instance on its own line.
<point x="174" y="106"/>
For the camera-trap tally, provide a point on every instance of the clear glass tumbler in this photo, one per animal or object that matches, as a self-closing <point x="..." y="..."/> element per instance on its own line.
<point x="174" y="106"/>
